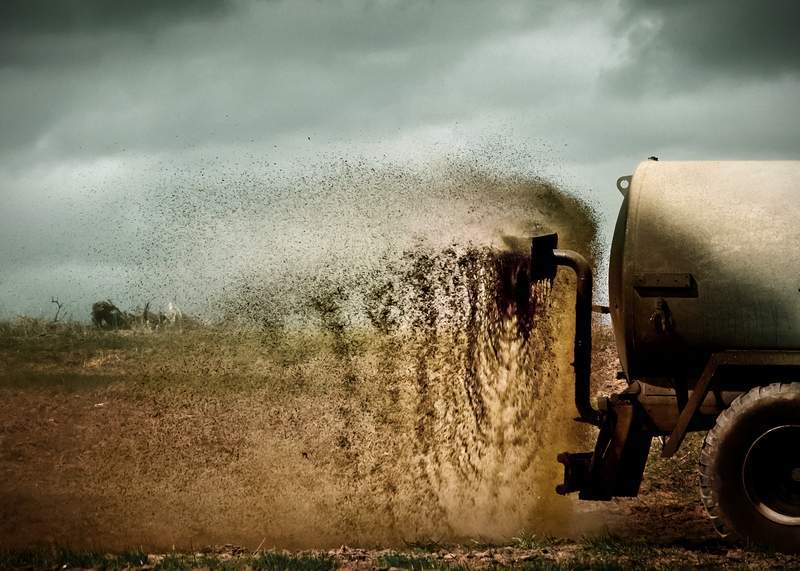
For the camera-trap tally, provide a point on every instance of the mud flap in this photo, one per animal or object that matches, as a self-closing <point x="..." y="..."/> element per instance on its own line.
<point x="616" y="466"/>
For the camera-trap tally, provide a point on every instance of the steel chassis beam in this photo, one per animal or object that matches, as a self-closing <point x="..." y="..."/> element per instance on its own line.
<point x="748" y="358"/>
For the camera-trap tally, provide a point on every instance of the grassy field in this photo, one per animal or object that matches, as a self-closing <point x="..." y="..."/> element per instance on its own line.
<point x="525" y="553"/>
<point x="165" y="441"/>
<point x="318" y="437"/>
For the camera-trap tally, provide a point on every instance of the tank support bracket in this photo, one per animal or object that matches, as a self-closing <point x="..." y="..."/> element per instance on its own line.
<point x="715" y="361"/>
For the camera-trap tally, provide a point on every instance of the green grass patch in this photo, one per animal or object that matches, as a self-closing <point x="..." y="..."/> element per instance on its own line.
<point x="58" y="558"/>
<point x="67" y="559"/>
<point x="66" y="357"/>
<point x="269" y="561"/>
<point x="677" y="475"/>
<point x="616" y="546"/>
<point x="415" y="563"/>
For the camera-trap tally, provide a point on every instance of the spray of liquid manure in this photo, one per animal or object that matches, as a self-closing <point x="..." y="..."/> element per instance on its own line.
<point x="462" y="401"/>
<point x="377" y="372"/>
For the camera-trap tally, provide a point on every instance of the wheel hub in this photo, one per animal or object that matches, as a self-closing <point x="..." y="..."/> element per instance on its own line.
<point x="771" y="475"/>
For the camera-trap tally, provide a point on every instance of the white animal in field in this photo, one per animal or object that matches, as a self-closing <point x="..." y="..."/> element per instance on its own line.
<point x="173" y="314"/>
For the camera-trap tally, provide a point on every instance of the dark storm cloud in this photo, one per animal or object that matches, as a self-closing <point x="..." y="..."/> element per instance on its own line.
<point x="42" y="32"/>
<point x="38" y="31"/>
<point x="103" y="101"/>
<point x="260" y="70"/>
<point x="104" y="79"/>
<point x="72" y="16"/>
<point x="685" y="43"/>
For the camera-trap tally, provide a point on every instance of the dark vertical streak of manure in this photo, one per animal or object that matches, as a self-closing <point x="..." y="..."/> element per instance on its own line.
<point x="469" y="266"/>
<point x="444" y="360"/>
<point x="463" y="308"/>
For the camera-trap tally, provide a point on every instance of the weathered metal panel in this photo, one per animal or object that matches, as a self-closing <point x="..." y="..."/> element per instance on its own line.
<point x="706" y="257"/>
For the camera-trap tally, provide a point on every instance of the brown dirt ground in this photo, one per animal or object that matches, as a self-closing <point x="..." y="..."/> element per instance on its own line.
<point x="207" y="436"/>
<point x="112" y="440"/>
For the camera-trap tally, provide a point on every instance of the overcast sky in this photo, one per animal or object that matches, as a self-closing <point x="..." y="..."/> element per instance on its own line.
<point x="106" y="108"/>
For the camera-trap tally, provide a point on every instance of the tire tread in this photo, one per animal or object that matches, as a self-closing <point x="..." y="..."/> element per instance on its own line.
<point x="725" y="422"/>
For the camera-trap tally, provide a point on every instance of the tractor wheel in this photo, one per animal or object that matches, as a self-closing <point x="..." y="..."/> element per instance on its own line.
<point x="750" y="468"/>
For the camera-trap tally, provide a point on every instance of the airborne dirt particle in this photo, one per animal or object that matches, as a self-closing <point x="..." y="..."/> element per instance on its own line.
<point x="420" y="393"/>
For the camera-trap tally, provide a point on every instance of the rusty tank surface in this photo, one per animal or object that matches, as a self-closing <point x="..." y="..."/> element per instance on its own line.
<point x="705" y="257"/>
<point x="704" y="297"/>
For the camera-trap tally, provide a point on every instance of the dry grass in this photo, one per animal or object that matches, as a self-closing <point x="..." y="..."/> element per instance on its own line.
<point x="314" y="437"/>
<point x="71" y="356"/>
<point x="210" y="434"/>
<point x="603" y="552"/>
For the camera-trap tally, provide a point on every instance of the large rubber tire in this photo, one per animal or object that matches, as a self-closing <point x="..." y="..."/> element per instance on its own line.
<point x="750" y="468"/>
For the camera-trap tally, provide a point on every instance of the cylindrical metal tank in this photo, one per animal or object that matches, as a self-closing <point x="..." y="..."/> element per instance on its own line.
<point x="705" y="257"/>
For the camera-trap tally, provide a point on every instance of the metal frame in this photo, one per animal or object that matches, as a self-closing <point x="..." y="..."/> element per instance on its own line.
<point x="746" y="358"/>
<point x="616" y="466"/>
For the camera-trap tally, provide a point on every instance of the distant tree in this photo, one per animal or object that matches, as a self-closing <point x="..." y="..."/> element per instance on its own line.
<point x="59" y="306"/>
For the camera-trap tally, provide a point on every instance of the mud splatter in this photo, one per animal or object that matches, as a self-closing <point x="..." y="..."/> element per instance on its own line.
<point x="420" y="394"/>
